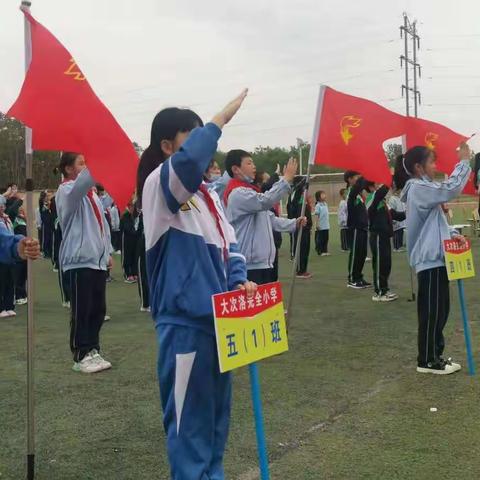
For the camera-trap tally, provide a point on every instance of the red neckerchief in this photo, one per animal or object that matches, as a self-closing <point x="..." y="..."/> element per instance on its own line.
<point x="214" y="212"/>
<point x="96" y="210"/>
<point x="94" y="205"/>
<point x="235" y="183"/>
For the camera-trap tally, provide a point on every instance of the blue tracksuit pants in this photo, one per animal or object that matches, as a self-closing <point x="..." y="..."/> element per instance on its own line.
<point x="196" y="400"/>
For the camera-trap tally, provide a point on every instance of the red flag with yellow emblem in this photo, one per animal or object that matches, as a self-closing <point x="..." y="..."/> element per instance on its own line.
<point x="350" y="131"/>
<point x="58" y="104"/>
<point x="441" y="140"/>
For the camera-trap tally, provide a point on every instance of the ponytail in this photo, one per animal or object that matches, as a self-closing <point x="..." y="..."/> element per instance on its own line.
<point x="405" y="165"/>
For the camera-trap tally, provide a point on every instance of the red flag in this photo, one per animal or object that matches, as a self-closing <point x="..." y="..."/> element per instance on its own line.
<point x="350" y="132"/>
<point x="440" y="139"/>
<point x="58" y="104"/>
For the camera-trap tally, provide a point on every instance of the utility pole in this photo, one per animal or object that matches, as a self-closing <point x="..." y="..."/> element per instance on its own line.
<point x="408" y="31"/>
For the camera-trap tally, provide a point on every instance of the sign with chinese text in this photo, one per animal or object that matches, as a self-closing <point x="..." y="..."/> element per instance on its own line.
<point x="249" y="329"/>
<point x="458" y="259"/>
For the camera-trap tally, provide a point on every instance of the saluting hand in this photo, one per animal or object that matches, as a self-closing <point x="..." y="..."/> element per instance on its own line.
<point x="229" y="111"/>
<point x="290" y="170"/>
<point x="464" y="152"/>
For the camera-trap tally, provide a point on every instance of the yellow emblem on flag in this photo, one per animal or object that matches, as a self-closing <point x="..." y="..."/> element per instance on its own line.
<point x="430" y="140"/>
<point x="346" y="123"/>
<point x="74" y="71"/>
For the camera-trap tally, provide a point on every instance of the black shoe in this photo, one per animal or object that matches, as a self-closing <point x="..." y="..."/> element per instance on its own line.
<point x="365" y="284"/>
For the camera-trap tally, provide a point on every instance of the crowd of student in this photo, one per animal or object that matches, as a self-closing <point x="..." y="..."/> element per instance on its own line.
<point x="195" y="233"/>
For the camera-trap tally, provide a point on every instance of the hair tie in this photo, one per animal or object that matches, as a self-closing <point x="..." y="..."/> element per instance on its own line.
<point x="405" y="168"/>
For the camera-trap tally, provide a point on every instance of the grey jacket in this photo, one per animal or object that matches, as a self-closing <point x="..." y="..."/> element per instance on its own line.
<point x="84" y="244"/>
<point x="249" y="213"/>
<point x="427" y="226"/>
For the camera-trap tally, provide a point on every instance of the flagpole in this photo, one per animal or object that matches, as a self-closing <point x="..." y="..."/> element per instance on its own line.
<point x="26" y="4"/>
<point x="311" y="159"/>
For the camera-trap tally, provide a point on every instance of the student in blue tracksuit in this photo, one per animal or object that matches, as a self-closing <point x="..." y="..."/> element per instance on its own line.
<point x="427" y="228"/>
<point x="7" y="282"/>
<point x="191" y="254"/>
<point x="85" y="254"/>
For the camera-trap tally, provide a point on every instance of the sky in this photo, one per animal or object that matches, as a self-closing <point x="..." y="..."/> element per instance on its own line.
<point x="141" y="56"/>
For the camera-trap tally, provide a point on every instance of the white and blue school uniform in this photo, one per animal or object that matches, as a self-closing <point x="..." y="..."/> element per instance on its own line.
<point x="189" y="258"/>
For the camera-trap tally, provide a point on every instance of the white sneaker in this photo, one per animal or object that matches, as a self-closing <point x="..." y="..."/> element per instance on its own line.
<point x="107" y="318"/>
<point x="11" y="313"/>
<point x="368" y="259"/>
<point x="66" y="304"/>
<point x="387" y="297"/>
<point x="143" y="309"/>
<point x="87" y="365"/>
<point x="440" y="368"/>
<point x="4" y="314"/>
<point x="325" y="254"/>
<point x="456" y="366"/>
<point x="21" y="301"/>
<point x="55" y="270"/>
<point x="104" y="364"/>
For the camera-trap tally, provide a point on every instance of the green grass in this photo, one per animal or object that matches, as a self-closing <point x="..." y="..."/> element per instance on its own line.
<point x="343" y="403"/>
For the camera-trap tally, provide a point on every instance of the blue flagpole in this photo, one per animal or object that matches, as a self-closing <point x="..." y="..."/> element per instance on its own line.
<point x="259" y="429"/>
<point x="466" y="328"/>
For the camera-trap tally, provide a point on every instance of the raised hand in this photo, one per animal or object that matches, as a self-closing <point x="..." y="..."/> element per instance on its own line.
<point x="464" y="152"/>
<point x="229" y="111"/>
<point x="290" y="170"/>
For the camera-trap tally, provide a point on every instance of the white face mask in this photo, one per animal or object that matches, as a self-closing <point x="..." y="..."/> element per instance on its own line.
<point x="214" y="176"/>
<point x="247" y="179"/>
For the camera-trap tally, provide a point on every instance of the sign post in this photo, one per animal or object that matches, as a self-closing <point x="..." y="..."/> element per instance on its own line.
<point x="248" y="330"/>
<point x="459" y="263"/>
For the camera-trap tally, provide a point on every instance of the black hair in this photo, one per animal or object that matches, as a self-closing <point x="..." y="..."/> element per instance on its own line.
<point x="318" y="194"/>
<point x="67" y="160"/>
<point x="165" y="126"/>
<point x="405" y="164"/>
<point x="476" y="167"/>
<point x="53" y="206"/>
<point x="99" y="187"/>
<point x="234" y="158"/>
<point x="41" y="199"/>
<point x="259" y="178"/>
<point x="349" y="174"/>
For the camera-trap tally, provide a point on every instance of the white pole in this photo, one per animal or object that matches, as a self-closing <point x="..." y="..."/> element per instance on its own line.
<point x="30" y="283"/>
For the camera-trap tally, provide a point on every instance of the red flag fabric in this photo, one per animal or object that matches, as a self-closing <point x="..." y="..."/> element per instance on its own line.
<point x="350" y="132"/>
<point x="58" y="104"/>
<point x="440" y="139"/>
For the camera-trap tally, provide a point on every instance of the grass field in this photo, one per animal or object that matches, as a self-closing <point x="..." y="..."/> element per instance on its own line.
<point x="344" y="403"/>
